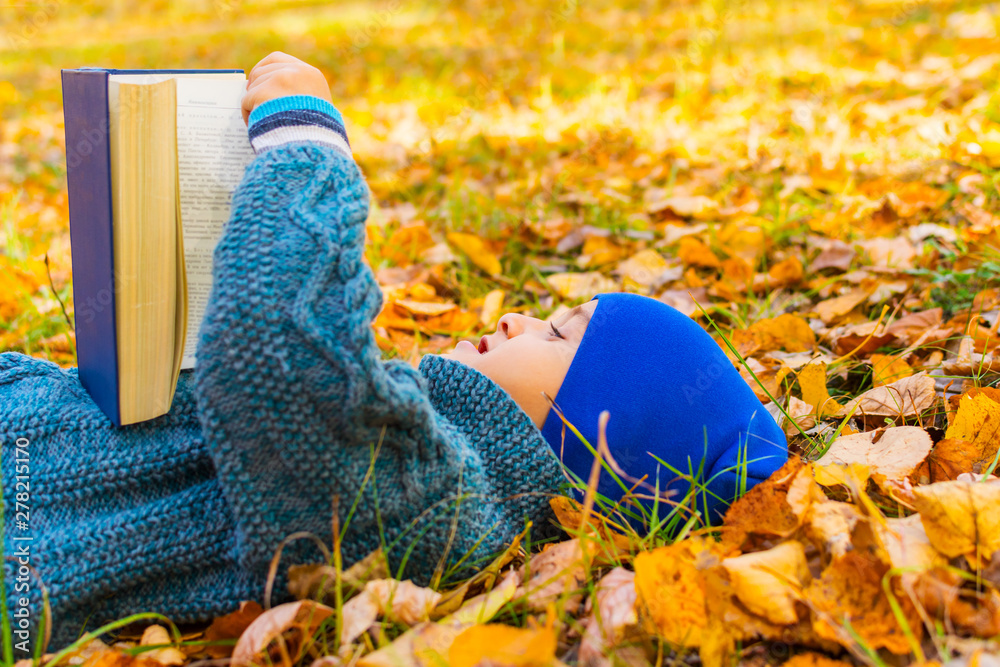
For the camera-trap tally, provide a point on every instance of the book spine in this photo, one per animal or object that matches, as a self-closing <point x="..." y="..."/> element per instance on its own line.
<point x="88" y="176"/>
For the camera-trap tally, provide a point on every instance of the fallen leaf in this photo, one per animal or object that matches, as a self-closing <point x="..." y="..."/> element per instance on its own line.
<point x="402" y="601"/>
<point x="894" y="455"/>
<point x="407" y="243"/>
<point x="812" y="384"/>
<point x="977" y="421"/>
<point x="960" y="517"/>
<point x="785" y="332"/>
<point x="850" y="591"/>
<point x="484" y="607"/>
<point x="887" y="368"/>
<point x="769" y="582"/>
<point x="278" y="635"/>
<point x="903" y="398"/>
<point x="646" y="267"/>
<point x="671" y="589"/>
<point x="764" y="510"/>
<point x="829" y="525"/>
<point x="558" y="571"/>
<point x="427" y="308"/>
<point x="580" y="285"/>
<point x="909" y="327"/>
<point x="833" y="309"/>
<point x="612" y="615"/>
<point x="230" y="627"/>
<point x="503" y="645"/>
<point x="477" y="252"/>
<point x="693" y="252"/>
<point x="169" y="655"/>
<point x="837" y="255"/>
<point x="695" y="206"/>
<point x="569" y="514"/>
<point x="492" y="304"/>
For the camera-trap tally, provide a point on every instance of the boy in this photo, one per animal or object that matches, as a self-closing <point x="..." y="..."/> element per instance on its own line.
<point x="291" y="413"/>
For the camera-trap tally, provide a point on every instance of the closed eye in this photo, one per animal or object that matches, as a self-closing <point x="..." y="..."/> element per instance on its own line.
<point x="556" y="331"/>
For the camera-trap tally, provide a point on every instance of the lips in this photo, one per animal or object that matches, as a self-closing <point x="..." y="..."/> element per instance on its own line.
<point x="483" y="346"/>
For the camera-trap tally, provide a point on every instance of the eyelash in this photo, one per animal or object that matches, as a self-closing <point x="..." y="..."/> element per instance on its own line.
<point x="556" y="331"/>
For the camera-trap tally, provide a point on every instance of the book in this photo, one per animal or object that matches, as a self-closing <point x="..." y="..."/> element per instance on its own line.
<point x="152" y="160"/>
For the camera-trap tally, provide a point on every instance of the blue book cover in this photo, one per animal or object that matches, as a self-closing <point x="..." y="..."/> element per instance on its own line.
<point x="88" y="176"/>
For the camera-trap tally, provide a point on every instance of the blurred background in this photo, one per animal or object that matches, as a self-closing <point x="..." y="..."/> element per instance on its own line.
<point x="527" y="155"/>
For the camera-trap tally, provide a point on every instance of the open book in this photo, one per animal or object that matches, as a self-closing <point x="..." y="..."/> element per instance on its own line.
<point x="153" y="157"/>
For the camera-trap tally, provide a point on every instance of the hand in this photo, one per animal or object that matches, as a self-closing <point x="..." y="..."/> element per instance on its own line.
<point x="278" y="75"/>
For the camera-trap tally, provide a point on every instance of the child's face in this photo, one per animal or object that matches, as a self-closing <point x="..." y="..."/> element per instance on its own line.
<point x="526" y="357"/>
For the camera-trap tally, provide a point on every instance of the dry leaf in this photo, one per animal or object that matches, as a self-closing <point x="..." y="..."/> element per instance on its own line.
<point x="785" y="332"/>
<point x="169" y="655"/>
<point x="894" y="455"/>
<point x="671" y="589"/>
<point x="685" y="206"/>
<point x="580" y="285"/>
<point x="887" y="368"/>
<point x="503" y="645"/>
<point x="769" y="582"/>
<point x="477" y="252"/>
<point x="558" y="571"/>
<point x="961" y="518"/>
<point x="402" y="601"/>
<point x="903" y="398"/>
<point x="230" y="627"/>
<point x="812" y="384"/>
<point x="695" y="253"/>
<point x="483" y="608"/>
<point x="613" y="615"/>
<point x="833" y="309"/>
<point x="850" y="590"/>
<point x="278" y="635"/>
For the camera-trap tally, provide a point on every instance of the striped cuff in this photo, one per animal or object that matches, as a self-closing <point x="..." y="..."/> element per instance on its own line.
<point x="297" y="118"/>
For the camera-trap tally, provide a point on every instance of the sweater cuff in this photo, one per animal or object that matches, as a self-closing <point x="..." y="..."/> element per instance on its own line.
<point x="297" y="118"/>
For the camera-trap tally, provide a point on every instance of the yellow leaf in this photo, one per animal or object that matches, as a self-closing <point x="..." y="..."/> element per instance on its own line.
<point x="492" y="303"/>
<point x="893" y="456"/>
<point x="960" y="517"/>
<point x="427" y="308"/>
<point x="476" y="251"/>
<point x="978" y="422"/>
<point x="644" y="267"/>
<point x="785" y="332"/>
<point x="579" y="285"/>
<point x="768" y="582"/>
<point x="407" y="243"/>
<point x="812" y="383"/>
<point x="903" y="398"/>
<point x="785" y="273"/>
<point x="695" y="253"/>
<point x="835" y="308"/>
<point x="850" y="590"/>
<point x="503" y="645"/>
<point x="671" y="589"/>
<point x="886" y="369"/>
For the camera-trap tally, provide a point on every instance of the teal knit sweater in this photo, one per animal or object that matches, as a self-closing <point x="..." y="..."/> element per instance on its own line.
<point x="290" y="412"/>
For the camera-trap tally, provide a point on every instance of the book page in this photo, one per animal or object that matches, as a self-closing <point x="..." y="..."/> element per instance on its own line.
<point x="213" y="150"/>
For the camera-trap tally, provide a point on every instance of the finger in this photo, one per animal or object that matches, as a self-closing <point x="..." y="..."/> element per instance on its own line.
<point x="260" y="71"/>
<point x="275" y="57"/>
<point x="255" y="86"/>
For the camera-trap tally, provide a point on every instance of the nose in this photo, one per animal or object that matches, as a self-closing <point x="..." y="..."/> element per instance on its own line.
<point x="514" y="324"/>
<point x="509" y="324"/>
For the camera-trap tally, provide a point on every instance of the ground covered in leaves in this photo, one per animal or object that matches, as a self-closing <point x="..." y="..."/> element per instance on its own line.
<point x="815" y="182"/>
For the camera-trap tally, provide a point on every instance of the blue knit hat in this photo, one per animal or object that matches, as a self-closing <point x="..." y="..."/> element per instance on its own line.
<point x="671" y="392"/>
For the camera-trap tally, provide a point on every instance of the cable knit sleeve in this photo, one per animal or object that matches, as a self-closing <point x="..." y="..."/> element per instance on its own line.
<point x="290" y="384"/>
